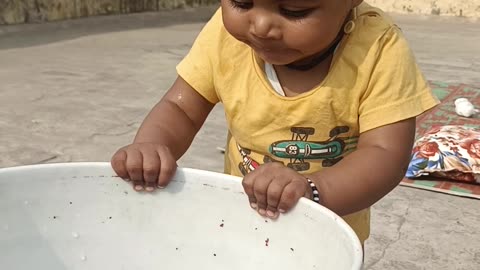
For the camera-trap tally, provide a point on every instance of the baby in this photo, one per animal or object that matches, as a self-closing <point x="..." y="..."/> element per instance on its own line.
<point x="320" y="98"/>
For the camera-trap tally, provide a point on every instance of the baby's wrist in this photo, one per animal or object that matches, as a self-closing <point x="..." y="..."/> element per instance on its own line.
<point x="312" y="191"/>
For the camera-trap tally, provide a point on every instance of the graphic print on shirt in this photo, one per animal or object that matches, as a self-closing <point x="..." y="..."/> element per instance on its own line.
<point x="298" y="149"/>
<point x="248" y="164"/>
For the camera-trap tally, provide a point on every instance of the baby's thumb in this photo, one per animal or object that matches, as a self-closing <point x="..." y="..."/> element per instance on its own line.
<point x="118" y="164"/>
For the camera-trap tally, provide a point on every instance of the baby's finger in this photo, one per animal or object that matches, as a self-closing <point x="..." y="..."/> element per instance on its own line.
<point x="260" y="187"/>
<point x="247" y="184"/>
<point x="135" y="168"/>
<point x="151" y="169"/>
<point x="168" y="166"/>
<point x="274" y="193"/>
<point x="118" y="164"/>
<point x="290" y="196"/>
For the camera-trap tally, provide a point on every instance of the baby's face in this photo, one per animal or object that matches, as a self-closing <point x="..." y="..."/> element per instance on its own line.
<point x="285" y="31"/>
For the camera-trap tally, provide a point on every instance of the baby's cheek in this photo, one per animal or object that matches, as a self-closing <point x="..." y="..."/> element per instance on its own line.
<point x="236" y="26"/>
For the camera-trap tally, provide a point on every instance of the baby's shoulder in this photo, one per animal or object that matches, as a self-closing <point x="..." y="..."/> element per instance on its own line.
<point x="220" y="44"/>
<point x="375" y="32"/>
<point x="373" y="24"/>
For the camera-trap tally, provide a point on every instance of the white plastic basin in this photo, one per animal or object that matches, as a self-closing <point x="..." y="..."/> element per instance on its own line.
<point x="80" y="216"/>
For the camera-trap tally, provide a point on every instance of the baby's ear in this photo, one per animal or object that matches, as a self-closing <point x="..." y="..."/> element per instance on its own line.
<point x="355" y="3"/>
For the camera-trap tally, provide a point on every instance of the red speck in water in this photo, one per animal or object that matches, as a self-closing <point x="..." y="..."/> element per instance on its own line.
<point x="267" y="241"/>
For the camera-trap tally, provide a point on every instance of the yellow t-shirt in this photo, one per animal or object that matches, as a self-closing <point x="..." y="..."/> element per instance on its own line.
<point x="373" y="81"/>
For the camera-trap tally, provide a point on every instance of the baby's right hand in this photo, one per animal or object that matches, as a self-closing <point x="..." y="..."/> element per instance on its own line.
<point x="147" y="165"/>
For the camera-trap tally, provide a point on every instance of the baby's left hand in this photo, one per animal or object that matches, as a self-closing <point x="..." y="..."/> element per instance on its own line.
<point x="274" y="188"/>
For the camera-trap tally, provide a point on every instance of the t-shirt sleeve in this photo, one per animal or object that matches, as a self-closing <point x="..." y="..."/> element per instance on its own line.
<point x="397" y="90"/>
<point x="197" y="68"/>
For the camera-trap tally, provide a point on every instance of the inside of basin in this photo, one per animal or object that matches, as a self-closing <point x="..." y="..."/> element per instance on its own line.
<point x="81" y="216"/>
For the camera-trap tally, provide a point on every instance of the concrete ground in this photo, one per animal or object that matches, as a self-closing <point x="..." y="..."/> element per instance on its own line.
<point x="78" y="90"/>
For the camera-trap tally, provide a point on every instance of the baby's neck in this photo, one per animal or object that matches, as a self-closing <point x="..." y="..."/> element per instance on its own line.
<point x="296" y="82"/>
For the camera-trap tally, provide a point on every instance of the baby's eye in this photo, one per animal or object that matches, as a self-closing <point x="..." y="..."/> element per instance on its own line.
<point x="296" y="14"/>
<point x="241" y="4"/>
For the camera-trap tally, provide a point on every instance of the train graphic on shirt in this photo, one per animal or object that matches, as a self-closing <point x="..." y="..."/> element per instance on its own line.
<point x="298" y="150"/>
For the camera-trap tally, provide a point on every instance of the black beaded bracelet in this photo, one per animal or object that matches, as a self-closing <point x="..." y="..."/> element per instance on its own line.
<point x="316" y="195"/>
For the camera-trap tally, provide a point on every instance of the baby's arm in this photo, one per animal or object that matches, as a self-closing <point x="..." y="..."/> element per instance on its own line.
<point x="176" y="119"/>
<point x="374" y="169"/>
<point x="164" y="136"/>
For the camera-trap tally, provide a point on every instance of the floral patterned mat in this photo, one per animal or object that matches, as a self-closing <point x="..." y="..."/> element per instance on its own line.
<point x="444" y="114"/>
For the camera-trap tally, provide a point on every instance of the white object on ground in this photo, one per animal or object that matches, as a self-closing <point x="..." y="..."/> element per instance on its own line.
<point x="464" y="107"/>
<point x="201" y="219"/>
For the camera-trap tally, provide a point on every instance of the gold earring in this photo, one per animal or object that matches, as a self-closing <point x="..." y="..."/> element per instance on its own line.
<point x="350" y="25"/>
